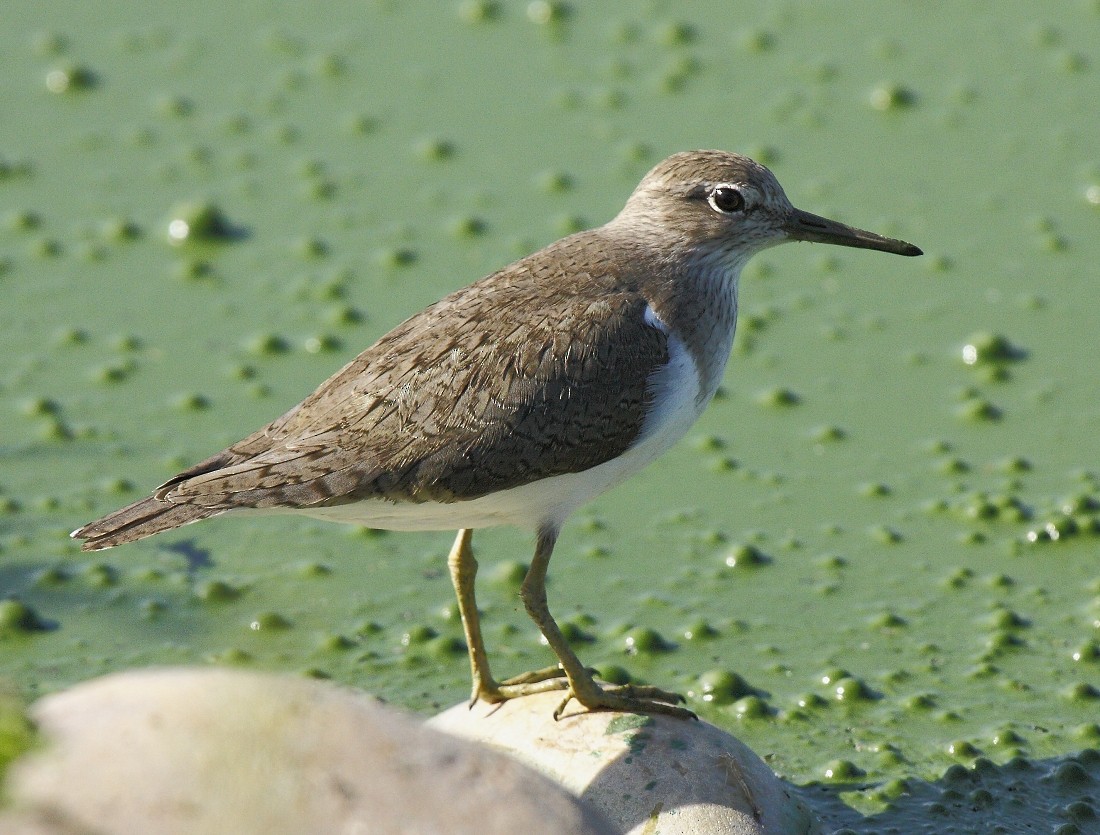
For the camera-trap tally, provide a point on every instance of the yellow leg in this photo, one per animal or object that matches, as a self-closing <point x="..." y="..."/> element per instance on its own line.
<point x="463" y="569"/>
<point x="569" y="674"/>
<point x="582" y="686"/>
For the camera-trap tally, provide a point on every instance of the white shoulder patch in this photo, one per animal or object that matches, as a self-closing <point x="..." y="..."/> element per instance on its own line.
<point x="674" y="392"/>
<point x="655" y="321"/>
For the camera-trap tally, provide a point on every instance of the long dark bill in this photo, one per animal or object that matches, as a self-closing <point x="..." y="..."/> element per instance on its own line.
<point x="803" y="226"/>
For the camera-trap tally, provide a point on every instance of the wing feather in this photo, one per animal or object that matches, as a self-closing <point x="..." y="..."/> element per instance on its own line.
<point x="510" y="380"/>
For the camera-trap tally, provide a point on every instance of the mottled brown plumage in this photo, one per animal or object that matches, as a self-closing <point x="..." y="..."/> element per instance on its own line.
<point x="504" y="382"/>
<point x="533" y="389"/>
<point x="444" y="409"/>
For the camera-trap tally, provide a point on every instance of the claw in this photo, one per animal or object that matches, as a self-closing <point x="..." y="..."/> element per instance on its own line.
<point x="564" y="703"/>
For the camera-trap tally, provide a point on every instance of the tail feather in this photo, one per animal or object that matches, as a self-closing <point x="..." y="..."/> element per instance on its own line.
<point x="139" y="520"/>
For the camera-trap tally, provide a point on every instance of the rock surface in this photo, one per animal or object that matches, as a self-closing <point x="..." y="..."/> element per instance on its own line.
<point x="646" y="774"/>
<point x="214" y="751"/>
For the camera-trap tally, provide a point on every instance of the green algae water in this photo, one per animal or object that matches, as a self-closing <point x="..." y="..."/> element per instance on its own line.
<point x="876" y="559"/>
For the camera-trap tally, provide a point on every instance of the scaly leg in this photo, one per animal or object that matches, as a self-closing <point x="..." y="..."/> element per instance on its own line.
<point x="463" y="569"/>
<point x="582" y="686"/>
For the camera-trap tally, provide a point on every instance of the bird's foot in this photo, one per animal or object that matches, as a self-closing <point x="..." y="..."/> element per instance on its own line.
<point x="525" y="684"/>
<point x="624" y="698"/>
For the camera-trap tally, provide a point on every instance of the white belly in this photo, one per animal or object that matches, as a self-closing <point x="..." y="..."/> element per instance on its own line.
<point x="677" y="403"/>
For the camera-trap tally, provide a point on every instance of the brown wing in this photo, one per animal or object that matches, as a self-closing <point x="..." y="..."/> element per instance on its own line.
<point x="526" y="374"/>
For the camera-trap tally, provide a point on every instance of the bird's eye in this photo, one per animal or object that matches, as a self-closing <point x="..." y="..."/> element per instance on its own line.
<point x="726" y="199"/>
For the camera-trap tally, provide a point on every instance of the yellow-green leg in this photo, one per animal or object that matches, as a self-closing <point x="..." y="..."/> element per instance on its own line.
<point x="582" y="686"/>
<point x="569" y="674"/>
<point x="463" y="569"/>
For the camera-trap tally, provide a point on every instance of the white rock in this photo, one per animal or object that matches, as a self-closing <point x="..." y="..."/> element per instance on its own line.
<point x="223" y="751"/>
<point x="645" y="774"/>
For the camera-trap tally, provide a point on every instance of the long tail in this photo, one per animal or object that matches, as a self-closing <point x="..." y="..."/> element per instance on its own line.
<point x="139" y="520"/>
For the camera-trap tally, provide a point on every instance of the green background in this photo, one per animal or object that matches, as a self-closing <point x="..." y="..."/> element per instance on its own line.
<point x="870" y="560"/>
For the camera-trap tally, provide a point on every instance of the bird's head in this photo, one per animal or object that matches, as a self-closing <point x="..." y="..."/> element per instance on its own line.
<point x="725" y="201"/>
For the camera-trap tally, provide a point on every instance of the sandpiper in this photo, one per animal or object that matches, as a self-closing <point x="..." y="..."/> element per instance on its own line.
<point x="520" y="397"/>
